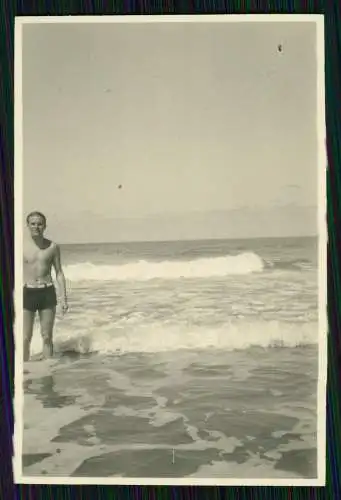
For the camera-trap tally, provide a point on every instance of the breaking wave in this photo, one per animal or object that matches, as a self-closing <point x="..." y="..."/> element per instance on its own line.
<point x="142" y="270"/>
<point x="160" y="337"/>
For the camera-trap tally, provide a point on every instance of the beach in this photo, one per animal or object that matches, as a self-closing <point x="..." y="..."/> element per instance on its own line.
<point x="179" y="359"/>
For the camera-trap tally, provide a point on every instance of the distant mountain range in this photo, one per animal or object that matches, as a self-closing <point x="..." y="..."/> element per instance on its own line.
<point x="244" y="222"/>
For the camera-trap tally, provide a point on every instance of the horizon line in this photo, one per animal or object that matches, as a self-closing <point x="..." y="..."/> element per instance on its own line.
<point x="245" y="238"/>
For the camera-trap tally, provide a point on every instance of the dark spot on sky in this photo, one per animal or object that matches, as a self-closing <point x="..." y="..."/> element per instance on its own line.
<point x="280" y="48"/>
<point x="120" y="186"/>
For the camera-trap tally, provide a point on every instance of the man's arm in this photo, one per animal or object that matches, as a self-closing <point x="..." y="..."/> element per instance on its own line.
<point x="60" y="277"/>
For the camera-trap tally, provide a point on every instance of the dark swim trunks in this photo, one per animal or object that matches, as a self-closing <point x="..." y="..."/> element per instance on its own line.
<point x="38" y="299"/>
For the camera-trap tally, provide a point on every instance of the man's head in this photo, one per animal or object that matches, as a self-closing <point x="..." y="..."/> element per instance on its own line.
<point x="36" y="222"/>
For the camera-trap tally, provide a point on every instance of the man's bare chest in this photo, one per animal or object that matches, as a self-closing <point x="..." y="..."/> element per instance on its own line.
<point x="34" y="255"/>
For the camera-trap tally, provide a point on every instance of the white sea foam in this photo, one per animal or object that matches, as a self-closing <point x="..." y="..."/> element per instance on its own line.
<point x="160" y="337"/>
<point x="143" y="270"/>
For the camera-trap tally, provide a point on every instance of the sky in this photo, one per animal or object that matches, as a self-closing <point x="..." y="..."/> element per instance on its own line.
<point x="161" y="131"/>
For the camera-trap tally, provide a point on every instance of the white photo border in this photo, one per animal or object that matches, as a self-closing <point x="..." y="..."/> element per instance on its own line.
<point x="322" y="249"/>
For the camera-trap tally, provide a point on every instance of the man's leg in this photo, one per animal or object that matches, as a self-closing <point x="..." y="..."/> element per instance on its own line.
<point x="28" y="331"/>
<point x="47" y="317"/>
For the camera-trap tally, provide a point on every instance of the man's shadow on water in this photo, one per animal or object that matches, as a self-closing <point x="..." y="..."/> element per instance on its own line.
<point x="45" y="392"/>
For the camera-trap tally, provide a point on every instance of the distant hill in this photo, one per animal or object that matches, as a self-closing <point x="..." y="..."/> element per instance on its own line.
<point x="280" y="221"/>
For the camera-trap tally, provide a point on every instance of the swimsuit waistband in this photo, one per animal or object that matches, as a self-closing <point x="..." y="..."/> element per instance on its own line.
<point x="43" y="285"/>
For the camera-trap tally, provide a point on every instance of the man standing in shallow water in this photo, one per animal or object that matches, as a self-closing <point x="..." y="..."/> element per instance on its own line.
<point x="40" y="255"/>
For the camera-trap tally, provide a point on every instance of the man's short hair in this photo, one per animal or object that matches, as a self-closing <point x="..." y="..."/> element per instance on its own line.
<point x="36" y="214"/>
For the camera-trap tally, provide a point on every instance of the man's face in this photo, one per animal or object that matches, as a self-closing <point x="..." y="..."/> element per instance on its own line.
<point x="36" y="225"/>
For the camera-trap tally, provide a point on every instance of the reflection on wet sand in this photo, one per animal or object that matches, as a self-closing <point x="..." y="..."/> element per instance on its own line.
<point x="133" y="417"/>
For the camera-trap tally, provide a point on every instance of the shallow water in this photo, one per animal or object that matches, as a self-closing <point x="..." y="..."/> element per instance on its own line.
<point x="126" y="415"/>
<point x="159" y="373"/>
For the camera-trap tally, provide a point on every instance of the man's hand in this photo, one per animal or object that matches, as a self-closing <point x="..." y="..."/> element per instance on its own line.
<point x="64" y="306"/>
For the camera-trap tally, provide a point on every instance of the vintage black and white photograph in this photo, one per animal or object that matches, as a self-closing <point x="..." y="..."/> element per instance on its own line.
<point x="170" y="250"/>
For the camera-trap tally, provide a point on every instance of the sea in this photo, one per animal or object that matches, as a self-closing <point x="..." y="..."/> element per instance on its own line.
<point x="182" y="359"/>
